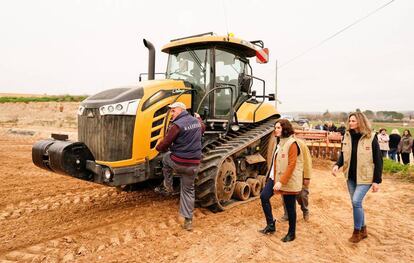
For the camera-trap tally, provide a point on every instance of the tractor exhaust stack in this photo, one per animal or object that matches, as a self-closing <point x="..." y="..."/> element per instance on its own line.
<point x="151" y="59"/>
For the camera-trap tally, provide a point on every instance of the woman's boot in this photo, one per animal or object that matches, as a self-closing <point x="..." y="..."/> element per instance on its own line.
<point x="269" y="229"/>
<point x="289" y="237"/>
<point x="364" y="232"/>
<point x="356" y="236"/>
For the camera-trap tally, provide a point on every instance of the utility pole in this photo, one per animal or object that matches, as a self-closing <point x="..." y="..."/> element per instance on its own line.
<point x="276" y="85"/>
<point x="276" y="98"/>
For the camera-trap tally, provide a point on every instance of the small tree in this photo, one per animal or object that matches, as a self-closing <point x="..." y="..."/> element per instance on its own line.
<point x="327" y="115"/>
<point x="370" y="114"/>
<point x="343" y="116"/>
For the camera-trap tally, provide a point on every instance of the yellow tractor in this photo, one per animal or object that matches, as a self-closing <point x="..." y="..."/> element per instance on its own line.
<point x="119" y="128"/>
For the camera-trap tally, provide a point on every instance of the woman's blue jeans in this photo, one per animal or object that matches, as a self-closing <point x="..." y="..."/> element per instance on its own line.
<point x="265" y="196"/>
<point x="357" y="193"/>
<point x="392" y="154"/>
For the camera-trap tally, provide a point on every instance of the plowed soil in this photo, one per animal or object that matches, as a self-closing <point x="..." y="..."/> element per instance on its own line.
<point x="46" y="217"/>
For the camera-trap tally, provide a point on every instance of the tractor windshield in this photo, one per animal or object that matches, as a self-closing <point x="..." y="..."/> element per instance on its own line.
<point x="191" y="65"/>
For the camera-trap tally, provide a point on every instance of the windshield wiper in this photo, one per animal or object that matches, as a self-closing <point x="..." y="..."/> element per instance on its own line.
<point x="196" y="59"/>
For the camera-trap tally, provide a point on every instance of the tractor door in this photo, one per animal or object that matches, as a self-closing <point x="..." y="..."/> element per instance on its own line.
<point x="228" y="69"/>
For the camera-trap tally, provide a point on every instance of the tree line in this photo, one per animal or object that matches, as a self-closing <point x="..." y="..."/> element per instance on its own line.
<point x="343" y="116"/>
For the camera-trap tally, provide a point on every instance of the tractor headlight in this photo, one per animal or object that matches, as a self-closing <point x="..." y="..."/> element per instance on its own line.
<point x="81" y="109"/>
<point x="107" y="174"/>
<point x="121" y="108"/>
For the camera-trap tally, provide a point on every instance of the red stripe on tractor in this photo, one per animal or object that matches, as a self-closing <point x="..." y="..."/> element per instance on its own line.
<point x="262" y="58"/>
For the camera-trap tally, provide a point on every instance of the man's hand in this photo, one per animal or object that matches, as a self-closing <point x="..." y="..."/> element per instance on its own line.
<point x="375" y="187"/>
<point x="158" y="142"/>
<point x="306" y="182"/>
<point x="196" y="115"/>
<point x="335" y="170"/>
<point x="277" y="186"/>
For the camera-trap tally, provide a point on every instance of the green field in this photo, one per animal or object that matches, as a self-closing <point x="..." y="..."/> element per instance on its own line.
<point x="61" y="98"/>
<point x="390" y="126"/>
<point x="387" y="125"/>
<point x="402" y="171"/>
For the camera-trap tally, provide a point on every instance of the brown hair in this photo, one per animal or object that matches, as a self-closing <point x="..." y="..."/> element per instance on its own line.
<point x="364" y="126"/>
<point x="408" y="131"/>
<point x="287" y="128"/>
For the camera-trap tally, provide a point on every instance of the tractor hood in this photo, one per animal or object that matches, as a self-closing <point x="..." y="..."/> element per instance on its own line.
<point x="113" y="96"/>
<point x="128" y="93"/>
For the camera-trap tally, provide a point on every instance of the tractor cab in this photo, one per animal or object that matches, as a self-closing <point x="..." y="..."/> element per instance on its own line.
<point x="218" y="70"/>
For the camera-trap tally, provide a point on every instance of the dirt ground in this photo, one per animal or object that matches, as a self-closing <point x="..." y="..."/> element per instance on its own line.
<point x="46" y="217"/>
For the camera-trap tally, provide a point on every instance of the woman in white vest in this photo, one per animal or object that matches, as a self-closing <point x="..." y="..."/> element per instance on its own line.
<point x="383" y="140"/>
<point x="285" y="178"/>
<point x="361" y="160"/>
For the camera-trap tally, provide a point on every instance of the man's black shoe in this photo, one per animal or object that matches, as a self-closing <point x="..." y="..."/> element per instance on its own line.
<point x="269" y="229"/>
<point x="289" y="237"/>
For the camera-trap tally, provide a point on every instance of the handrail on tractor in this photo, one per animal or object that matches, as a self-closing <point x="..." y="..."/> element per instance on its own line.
<point x="229" y="86"/>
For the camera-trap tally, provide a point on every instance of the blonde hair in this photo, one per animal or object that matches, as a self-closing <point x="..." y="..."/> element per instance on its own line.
<point x="395" y="131"/>
<point x="364" y="126"/>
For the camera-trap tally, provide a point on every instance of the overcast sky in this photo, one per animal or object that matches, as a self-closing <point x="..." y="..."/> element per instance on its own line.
<point x="83" y="47"/>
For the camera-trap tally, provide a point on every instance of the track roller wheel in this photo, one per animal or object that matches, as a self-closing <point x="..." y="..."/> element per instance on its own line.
<point x="242" y="191"/>
<point x="226" y="181"/>
<point x="254" y="185"/>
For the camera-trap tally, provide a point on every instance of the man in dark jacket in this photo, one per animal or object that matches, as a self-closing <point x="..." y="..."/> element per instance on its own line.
<point x="182" y="154"/>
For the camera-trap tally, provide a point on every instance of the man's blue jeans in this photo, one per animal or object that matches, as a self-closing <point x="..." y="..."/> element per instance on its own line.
<point x="357" y="193"/>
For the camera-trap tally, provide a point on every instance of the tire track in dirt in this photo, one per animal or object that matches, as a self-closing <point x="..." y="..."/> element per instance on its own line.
<point x="88" y="207"/>
<point x="52" y="202"/>
<point x="118" y="231"/>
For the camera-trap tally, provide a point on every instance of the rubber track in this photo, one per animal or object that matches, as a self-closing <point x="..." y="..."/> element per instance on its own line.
<point x="214" y="155"/>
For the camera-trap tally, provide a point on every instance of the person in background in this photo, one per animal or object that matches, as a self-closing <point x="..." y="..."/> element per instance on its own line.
<point x="341" y="128"/>
<point x="405" y="146"/>
<point x="331" y="127"/>
<point x="395" y="139"/>
<point x="362" y="166"/>
<point x="182" y="154"/>
<point x="383" y="140"/>
<point x="285" y="178"/>
<point x="319" y="126"/>
<point x="413" y="150"/>
<point x="303" y="200"/>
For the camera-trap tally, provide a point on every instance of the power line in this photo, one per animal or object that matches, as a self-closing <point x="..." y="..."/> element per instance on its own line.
<point x="335" y="34"/>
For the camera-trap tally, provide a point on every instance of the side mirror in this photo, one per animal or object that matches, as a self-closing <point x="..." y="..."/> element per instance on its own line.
<point x="271" y="97"/>
<point x="245" y="83"/>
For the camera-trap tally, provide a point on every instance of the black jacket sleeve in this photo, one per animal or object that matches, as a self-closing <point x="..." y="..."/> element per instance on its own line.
<point x="340" y="161"/>
<point x="378" y="162"/>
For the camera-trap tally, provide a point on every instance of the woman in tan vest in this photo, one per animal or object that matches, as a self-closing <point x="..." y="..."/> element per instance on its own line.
<point x="286" y="178"/>
<point x="361" y="160"/>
